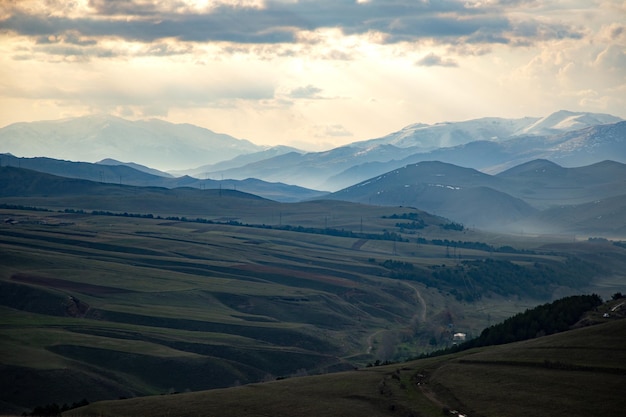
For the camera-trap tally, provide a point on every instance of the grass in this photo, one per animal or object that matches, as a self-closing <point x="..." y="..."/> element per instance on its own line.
<point x="574" y="373"/>
<point x="511" y="380"/>
<point x="242" y="303"/>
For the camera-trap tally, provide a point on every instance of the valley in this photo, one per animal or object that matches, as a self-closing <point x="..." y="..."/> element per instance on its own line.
<point x="295" y="208"/>
<point x="125" y="282"/>
<point x="129" y="305"/>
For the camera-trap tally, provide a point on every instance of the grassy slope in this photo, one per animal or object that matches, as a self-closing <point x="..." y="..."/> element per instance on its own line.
<point x="163" y="305"/>
<point x="106" y="301"/>
<point x="575" y="373"/>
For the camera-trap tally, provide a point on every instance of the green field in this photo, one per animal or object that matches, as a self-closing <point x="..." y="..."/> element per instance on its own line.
<point x="575" y="373"/>
<point x="103" y="307"/>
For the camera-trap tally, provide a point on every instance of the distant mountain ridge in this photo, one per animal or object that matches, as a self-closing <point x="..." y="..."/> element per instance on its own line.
<point x="448" y="134"/>
<point x="154" y="142"/>
<point x="238" y="161"/>
<point x="529" y="196"/>
<point x="566" y="121"/>
<point x="575" y="148"/>
<point x="488" y="144"/>
<point x="138" y="167"/>
<point x="115" y="172"/>
<point x="539" y="196"/>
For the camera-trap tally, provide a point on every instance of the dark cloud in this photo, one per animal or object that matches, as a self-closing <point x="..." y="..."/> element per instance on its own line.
<point x="446" y="21"/>
<point x="171" y="95"/>
<point x="432" y="60"/>
<point x="126" y="7"/>
<point x="67" y="38"/>
<point x="309" y="91"/>
<point x="616" y="32"/>
<point x="332" y="131"/>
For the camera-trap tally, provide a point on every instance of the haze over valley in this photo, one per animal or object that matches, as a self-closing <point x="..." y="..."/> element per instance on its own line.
<point x="512" y="175"/>
<point x="146" y="282"/>
<point x="312" y="208"/>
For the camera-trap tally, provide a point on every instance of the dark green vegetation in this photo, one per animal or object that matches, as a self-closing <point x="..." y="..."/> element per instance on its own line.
<point x="208" y="289"/>
<point x="128" y="175"/>
<point x="574" y="373"/>
<point x="471" y="280"/>
<point x="538" y="196"/>
<point x="551" y="318"/>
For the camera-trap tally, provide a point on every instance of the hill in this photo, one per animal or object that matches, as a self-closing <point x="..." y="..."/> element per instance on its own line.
<point x="238" y="161"/>
<point x="450" y="134"/>
<point x="602" y="217"/>
<point x="113" y="172"/>
<point x="125" y="291"/>
<point x="512" y="200"/>
<point x="575" y="373"/>
<point x="153" y="143"/>
<point x="487" y="144"/>
<point x="138" y="167"/>
<point x="313" y="168"/>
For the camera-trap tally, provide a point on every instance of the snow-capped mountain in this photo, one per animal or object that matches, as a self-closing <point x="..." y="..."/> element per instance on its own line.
<point x="484" y="145"/>
<point x="448" y="134"/>
<point x="153" y="143"/>
<point x="567" y="121"/>
<point x="487" y="144"/>
<point x="238" y="161"/>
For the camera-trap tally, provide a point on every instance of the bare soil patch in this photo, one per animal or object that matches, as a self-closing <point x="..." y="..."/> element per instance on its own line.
<point x="62" y="284"/>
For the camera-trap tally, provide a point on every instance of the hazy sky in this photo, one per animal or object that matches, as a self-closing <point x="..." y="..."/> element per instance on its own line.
<point x="310" y="73"/>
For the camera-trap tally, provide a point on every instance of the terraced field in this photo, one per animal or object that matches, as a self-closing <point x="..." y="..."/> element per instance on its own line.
<point x="103" y="307"/>
<point x="577" y="373"/>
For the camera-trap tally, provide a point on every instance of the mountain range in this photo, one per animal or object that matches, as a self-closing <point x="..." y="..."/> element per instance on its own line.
<point x="513" y="200"/>
<point x="487" y="144"/>
<point x="124" y="280"/>
<point x="153" y="142"/>
<point x="535" y="197"/>
<point x="491" y="173"/>
<point x="115" y="172"/>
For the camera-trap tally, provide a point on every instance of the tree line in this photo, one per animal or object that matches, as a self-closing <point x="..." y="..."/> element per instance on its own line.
<point x="55" y="409"/>
<point x="550" y="318"/>
<point x="471" y="280"/>
<point x="542" y="320"/>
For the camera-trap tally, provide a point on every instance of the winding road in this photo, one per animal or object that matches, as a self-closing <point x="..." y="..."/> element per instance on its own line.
<point x="419" y="315"/>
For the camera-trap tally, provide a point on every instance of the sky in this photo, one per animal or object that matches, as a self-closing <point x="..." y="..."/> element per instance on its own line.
<point x="313" y="74"/>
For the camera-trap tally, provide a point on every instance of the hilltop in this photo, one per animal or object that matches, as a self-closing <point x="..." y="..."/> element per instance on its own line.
<point x="123" y="291"/>
<point x="93" y="138"/>
<point x="538" y="196"/>
<point x="488" y="144"/>
<point x="574" y="373"/>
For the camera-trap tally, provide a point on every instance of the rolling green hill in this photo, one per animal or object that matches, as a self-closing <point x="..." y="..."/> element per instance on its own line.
<point x="113" y="172"/>
<point x="575" y="373"/>
<point x="158" y="291"/>
<point x="538" y="196"/>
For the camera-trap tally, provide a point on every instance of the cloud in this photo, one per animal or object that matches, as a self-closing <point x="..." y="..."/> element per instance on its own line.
<point x="432" y="60"/>
<point x="335" y="130"/>
<point x="308" y="69"/>
<point x="68" y="38"/>
<point x="309" y="92"/>
<point x="142" y="90"/>
<point x="613" y="58"/>
<point x="281" y="22"/>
